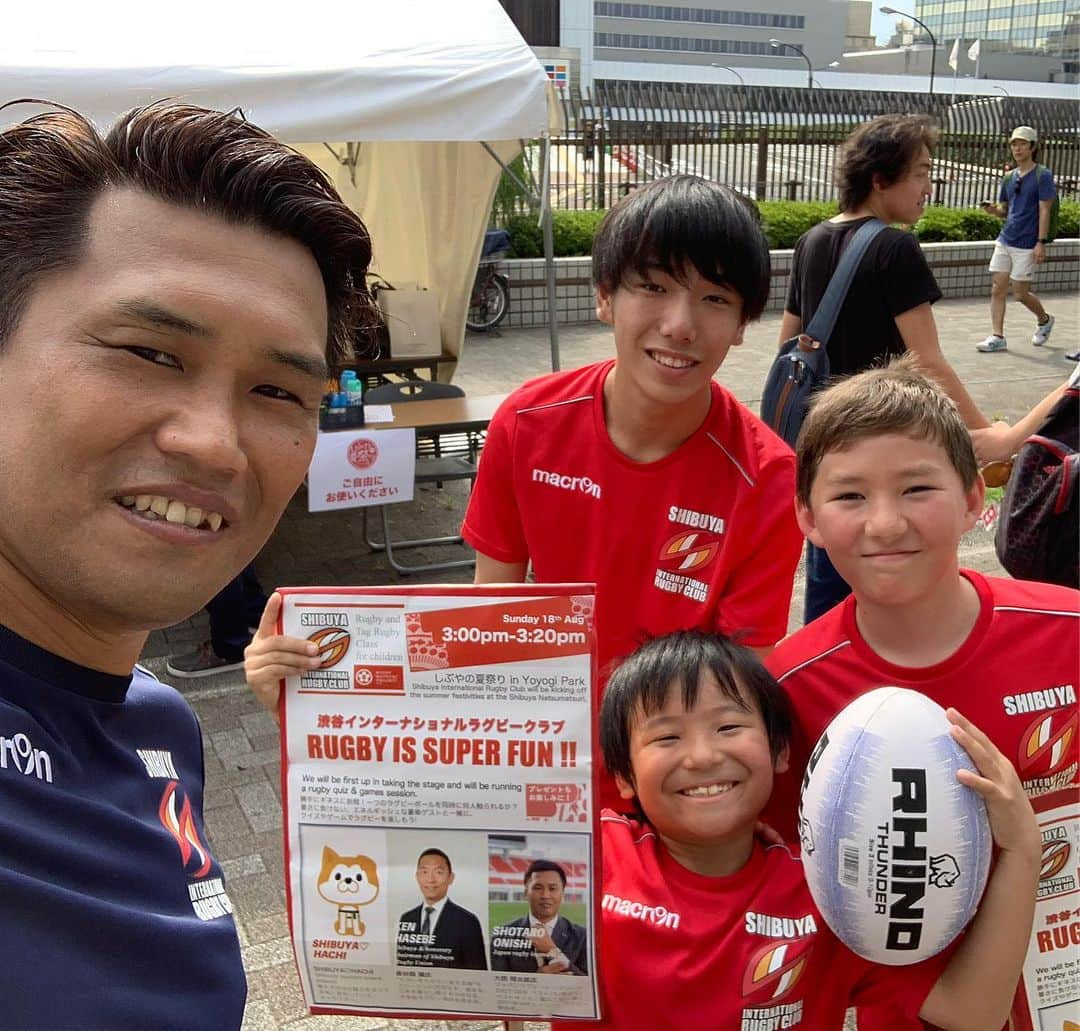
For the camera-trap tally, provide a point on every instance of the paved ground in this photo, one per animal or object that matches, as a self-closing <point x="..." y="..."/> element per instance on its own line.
<point x="243" y="810"/>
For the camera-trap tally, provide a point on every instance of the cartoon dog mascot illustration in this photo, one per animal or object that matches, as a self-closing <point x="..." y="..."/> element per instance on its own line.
<point x="348" y="882"/>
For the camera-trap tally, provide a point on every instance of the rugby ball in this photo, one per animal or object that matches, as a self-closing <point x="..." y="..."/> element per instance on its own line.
<point x="895" y="849"/>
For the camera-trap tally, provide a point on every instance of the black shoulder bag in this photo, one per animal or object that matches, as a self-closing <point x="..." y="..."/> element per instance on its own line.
<point x="802" y="366"/>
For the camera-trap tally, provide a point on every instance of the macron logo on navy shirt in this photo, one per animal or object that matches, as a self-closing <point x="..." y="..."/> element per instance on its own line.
<point x="18" y="753"/>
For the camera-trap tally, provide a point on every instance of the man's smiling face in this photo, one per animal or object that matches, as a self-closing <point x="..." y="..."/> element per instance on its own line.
<point x="181" y="360"/>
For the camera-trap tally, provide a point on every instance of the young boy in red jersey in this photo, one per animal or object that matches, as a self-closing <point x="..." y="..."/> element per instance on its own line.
<point x="703" y="926"/>
<point x="888" y="484"/>
<point x="642" y="474"/>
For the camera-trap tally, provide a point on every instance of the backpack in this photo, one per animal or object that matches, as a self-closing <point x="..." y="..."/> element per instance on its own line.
<point x="1055" y="206"/>
<point x="802" y="366"/>
<point x="1037" y="534"/>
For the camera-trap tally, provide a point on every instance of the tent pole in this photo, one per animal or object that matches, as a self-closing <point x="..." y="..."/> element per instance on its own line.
<point x="544" y="199"/>
<point x="549" y="254"/>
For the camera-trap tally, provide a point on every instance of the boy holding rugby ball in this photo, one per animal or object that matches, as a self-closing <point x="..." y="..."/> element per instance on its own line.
<point x="887" y="483"/>
<point x="703" y="926"/>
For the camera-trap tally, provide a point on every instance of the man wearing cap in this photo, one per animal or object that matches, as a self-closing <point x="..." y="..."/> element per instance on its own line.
<point x="1025" y="201"/>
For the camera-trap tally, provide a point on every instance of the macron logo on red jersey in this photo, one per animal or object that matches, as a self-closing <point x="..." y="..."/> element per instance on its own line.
<point x="575" y="483"/>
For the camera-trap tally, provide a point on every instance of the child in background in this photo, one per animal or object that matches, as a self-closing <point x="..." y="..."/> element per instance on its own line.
<point x="703" y="926"/>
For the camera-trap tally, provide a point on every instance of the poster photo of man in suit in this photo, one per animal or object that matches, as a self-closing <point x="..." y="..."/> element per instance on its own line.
<point x="543" y="941"/>
<point x="438" y="932"/>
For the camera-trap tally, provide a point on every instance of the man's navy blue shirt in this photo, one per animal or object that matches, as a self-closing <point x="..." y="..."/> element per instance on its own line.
<point x="113" y="913"/>
<point x="1022" y="193"/>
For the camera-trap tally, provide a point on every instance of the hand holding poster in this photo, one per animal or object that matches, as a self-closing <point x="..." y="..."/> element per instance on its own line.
<point x="439" y="798"/>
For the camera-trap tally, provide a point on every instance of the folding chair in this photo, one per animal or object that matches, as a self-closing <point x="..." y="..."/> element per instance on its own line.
<point x="432" y="466"/>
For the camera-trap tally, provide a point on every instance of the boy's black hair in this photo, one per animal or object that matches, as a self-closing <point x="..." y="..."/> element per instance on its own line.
<point x="684" y="221"/>
<point x="435" y="852"/>
<point x="545" y="866"/>
<point x="640" y="685"/>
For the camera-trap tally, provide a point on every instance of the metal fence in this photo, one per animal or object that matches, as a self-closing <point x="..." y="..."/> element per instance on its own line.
<point x="779" y="143"/>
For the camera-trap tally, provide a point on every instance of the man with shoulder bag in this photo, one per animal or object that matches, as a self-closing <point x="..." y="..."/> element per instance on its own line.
<point x="883" y="173"/>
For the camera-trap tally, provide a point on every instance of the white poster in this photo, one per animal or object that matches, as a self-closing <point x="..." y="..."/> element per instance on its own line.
<point x="441" y="830"/>
<point x="1051" y="979"/>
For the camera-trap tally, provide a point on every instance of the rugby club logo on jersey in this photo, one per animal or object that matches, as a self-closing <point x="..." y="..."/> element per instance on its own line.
<point x="687" y="554"/>
<point x="687" y="551"/>
<point x="177" y="818"/>
<point x="1046" y="744"/>
<point x="775" y="969"/>
<point x="208" y="897"/>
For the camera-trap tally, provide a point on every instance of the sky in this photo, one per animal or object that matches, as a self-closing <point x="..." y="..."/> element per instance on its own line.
<point x="882" y="25"/>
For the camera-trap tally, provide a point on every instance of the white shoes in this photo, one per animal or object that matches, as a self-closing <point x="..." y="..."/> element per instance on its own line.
<point x="1042" y="332"/>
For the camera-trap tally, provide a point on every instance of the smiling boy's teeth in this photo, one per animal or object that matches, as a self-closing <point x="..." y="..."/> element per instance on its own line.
<point x="707" y="790"/>
<point x="672" y="363"/>
<point x="155" y="506"/>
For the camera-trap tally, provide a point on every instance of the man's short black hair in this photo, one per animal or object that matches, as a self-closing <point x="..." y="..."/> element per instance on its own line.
<point x="545" y="866"/>
<point x="435" y="852"/>
<point x="684" y="221"/>
<point x="640" y="685"/>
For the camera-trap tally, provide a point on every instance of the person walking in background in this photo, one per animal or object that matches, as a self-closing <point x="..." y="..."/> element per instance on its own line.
<point x="882" y="171"/>
<point x="234" y="613"/>
<point x="1025" y="201"/>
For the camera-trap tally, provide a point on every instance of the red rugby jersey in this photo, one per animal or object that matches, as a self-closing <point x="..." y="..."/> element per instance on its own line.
<point x="749" y="951"/>
<point x="1015" y="678"/>
<point x="705" y="537"/>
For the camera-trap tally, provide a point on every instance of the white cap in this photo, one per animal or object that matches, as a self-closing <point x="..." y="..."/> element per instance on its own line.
<point x="1024" y="132"/>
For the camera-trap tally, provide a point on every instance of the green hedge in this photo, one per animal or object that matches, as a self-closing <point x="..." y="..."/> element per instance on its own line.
<point x="784" y="222"/>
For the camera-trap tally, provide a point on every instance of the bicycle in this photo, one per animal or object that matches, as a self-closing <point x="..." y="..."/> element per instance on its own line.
<point x="490" y="298"/>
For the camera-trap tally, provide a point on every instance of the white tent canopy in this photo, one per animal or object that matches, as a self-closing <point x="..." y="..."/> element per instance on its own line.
<point x="419" y="83"/>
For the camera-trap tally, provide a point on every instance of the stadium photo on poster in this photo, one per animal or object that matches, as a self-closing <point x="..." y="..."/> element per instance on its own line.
<point x="539" y="904"/>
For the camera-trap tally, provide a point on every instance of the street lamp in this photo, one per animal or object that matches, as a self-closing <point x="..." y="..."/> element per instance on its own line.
<point x="933" y="42"/>
<point x="777" y="44"/>
<point x="742" y="81"/>
<point x="1004" y="91"/>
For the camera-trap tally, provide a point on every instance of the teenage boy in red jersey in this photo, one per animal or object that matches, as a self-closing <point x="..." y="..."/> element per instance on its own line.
<point x="719" y="930"/>
<point x="641" y="473"/>
<point x="888" y="484"/>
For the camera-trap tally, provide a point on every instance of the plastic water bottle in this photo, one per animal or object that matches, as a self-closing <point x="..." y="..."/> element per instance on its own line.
<point x="354" y="398"/>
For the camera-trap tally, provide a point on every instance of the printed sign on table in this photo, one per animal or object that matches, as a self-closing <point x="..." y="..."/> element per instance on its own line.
<point x="441" y="831"/>
<point x="368" y="467"/>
